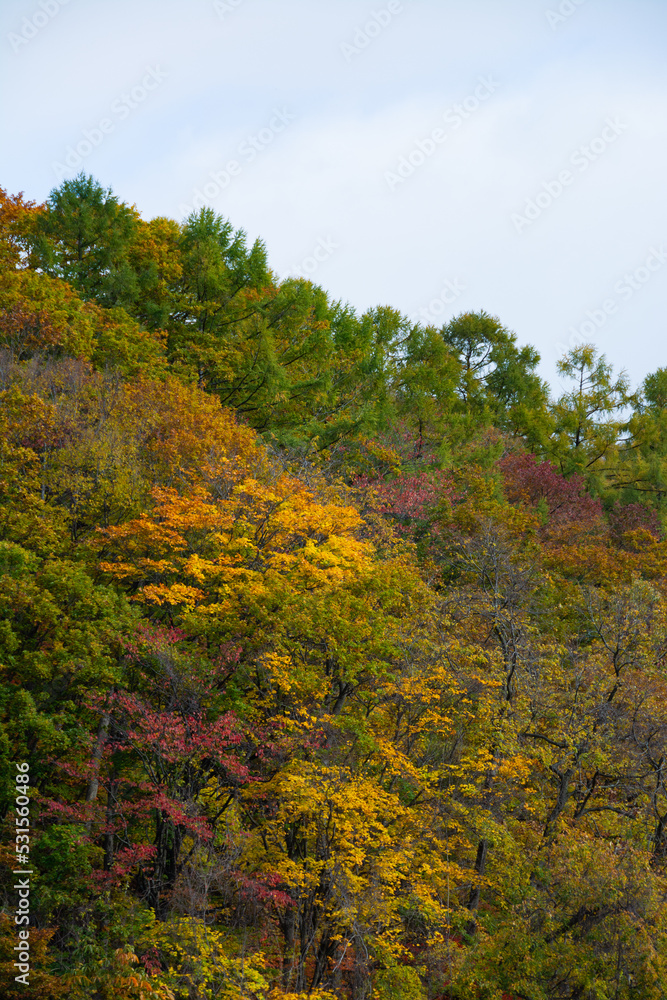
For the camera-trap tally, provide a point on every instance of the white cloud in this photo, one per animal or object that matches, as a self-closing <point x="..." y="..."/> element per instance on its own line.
<point x="322" y="177"/>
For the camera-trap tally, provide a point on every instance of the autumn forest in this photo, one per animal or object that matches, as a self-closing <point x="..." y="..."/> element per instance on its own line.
<point x="335" y="644"/>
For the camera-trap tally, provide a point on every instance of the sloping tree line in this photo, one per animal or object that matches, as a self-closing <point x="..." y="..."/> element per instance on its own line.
<point x="335" y="645"/>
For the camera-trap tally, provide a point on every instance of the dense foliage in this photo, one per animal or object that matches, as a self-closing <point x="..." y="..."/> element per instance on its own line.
<point x="335" y="645"/>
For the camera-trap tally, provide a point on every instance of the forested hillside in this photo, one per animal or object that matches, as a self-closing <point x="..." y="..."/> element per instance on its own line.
<point x="336" y="645"/>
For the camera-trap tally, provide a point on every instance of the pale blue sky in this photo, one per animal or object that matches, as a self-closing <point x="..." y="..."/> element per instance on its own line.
<point x="185" y="85"/>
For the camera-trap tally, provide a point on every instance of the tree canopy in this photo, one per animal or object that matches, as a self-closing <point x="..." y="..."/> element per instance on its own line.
<point x="333" y="643"/>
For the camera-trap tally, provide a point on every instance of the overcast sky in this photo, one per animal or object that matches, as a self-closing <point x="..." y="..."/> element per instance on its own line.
<point x="438" y="156"/>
